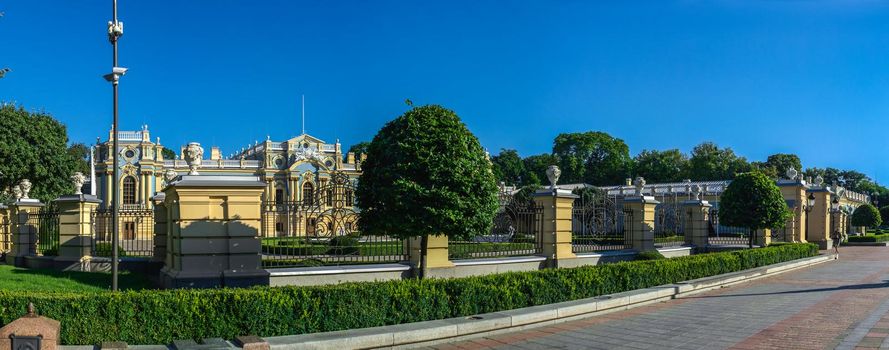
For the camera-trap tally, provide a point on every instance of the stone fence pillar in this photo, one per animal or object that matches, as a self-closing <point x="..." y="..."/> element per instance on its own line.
<point x="794" y="192"/>
<point x="697" y="222"/>
<point x="639" y="221"/>
<point x="214" y="225"/>
<point x="436" y="254"/>
<point x="820" y="219"/>
<point x="160" y="228"/>
<point x="5" y="236"/>
<point x="24" y="233"/>
<point x="762" y="237"/>
<point x="75" y="231"/>
<point x="555" y="238"/>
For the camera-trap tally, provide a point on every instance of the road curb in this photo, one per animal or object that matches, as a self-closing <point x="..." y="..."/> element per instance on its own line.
<point x="455" y="329"/>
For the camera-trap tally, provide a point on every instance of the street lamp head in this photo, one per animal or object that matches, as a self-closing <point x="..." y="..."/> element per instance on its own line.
<point x="810" y="201"/>
<point x="835" y="204"/>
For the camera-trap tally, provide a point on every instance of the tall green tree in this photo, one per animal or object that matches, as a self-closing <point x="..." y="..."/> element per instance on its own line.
<point x="81" y="155"/>
<point x="866" y="216"/>
<point x="708" y="162"/>
<point x="776" y="165"/>
<point x="33" y="146"/>
<point x="426" y="174"/>
<point x="752" y="200"/>
<point x="168" y="153"/>
<point x="359" y="148"/>
<point x="535" y="168"/>
<point x="508" y="167"/>
<point x="592" y="157"/>
<point x="660" y="166"/>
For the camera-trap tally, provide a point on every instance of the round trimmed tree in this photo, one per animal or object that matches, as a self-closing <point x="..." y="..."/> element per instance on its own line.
<point x="884" y="212"/>
<point x="752" y="200"/>
<point x="866" y="216"/>
<point x="426" y="174"/>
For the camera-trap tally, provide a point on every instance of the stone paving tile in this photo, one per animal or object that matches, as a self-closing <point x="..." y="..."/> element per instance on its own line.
<point x="831" y="305"/>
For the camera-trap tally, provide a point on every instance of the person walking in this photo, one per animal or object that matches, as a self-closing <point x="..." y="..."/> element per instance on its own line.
<point x="838" y="237"/>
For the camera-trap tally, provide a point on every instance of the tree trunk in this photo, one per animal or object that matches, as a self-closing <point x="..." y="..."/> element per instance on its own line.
<point x="752" y="232"/>
<point x="424" y="248"/>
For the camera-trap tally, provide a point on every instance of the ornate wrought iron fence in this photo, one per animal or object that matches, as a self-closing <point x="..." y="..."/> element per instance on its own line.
<point x="322" y="231"/>
<point x="135" y="237"/>
<point x="45" y="225"/>
<point x="598" y="224"/>
<point x="516" y="232"/>
<point x="5" y="235"/>
<point x="725" y="235"/>
<point x="669" y="226"/>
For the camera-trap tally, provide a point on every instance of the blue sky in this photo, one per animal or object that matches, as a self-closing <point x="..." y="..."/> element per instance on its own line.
<point x="805" y="77"/>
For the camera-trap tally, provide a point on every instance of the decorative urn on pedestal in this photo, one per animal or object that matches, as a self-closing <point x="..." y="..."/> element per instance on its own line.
<point x="553" y="173"/>
<point x="640" y="185"/>
<point x="193" y="155"/>
<point x="78" y="180"/>
<point x="25" y="187"/>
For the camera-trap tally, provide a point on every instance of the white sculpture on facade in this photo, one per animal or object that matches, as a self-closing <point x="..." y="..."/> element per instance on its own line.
<point x="792" y="174"/>
<point x="25" y="187"/>
<point x="696" y="191"/>
<point x="169" y="175"/>
<point x="640" y="185"/>
<point x="193" y="155"/>
<point x="819" y="180"/>
<point x="309" y="154"/>
<point x="78" y="180"/>
<point x="553" y="173"/>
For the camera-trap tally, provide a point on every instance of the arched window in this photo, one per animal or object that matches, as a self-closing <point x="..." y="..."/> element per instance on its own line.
<point x="129" y="190"/>
<point x="308" y="193"/>
<point x="279" y="196"/>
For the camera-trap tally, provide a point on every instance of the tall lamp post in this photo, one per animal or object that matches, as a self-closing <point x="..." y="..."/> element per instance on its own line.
<point x="115" y="31"/>
<point x="834" y="210"/>
<point x="810" y="204"/>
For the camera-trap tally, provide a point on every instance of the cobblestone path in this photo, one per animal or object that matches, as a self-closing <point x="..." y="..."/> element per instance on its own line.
<point x="842" y="304"/>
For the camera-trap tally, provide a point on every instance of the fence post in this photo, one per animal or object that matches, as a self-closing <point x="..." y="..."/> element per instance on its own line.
<point x="697" y="224"/>
<point x="436" y="253"/>
<point x="24" y="234"/>
<point x="555" y="237"/>
<point x="819" y="232"/>
<point x="160" y="228"/>
<point x="75" y="231"/>
<point x="639" y="218"/>
<point x="214" y="224"/>
<point x="763" y="237"/>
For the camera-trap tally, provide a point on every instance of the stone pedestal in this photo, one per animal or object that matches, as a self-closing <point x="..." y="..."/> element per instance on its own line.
<point x="820" y="219"/>
<point x="213" y="232"/>
<point x="697" y="222"/>
<point x="555" y="237"/>
<point x="30" y="326"/>
<point x="436" y="253"/>
<point x="794" y="192"/>
<point x="639" y="222"/>
<point x="160" y="228"/>
<point x="23" y="232"/>
<point x="75" y="231"/>
<point x="763" y="237"/>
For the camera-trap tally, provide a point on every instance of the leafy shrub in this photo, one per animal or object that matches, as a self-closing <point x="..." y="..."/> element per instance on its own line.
<point x="104" y="249"/>
<point x="867" y="216"/>
<point x="343" y="245"/>
<point x="870" y="238"/>
<point x="156" y="317"/>
<point x="650" y="255"/>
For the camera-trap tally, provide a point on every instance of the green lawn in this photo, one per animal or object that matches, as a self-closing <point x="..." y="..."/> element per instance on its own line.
<point x="27" y="280"/>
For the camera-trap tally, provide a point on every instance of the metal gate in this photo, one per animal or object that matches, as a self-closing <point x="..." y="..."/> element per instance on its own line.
<point x="322" y="229"/>
<point x="136" y="232"/>
<point x="516" y="231"/>
<point x="598" y="224"/>
<point x="44" y="224"/>
<point x="719" y="234"/>
<point x="669" y="226"/>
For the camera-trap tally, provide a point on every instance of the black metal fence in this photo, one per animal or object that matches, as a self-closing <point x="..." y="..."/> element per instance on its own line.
<point x="598" y="224"/>
<point x="725" y="235"/>
<point x="136" y="232"/>
<point x="516" y="232"/>
<point x="322" y="230"/>
<point x="44" y="224"/>
<point x="669" y="226"/>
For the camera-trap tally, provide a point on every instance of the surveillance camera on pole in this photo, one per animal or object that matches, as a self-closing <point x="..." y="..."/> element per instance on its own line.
<point x="115" y="74"/>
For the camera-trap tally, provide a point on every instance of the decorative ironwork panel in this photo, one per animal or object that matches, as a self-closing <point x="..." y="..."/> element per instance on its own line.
<point x="322" y="230"/>
<point x="598" y="224"/>
<point x="669" y="227"/>
<point x="518" y="225"/>
<point x="719" y="234"/>
<point x="135" y="232"/>
<point x="44" y="224"/>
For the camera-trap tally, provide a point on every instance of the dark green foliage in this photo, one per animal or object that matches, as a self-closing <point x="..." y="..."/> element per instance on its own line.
<point x="343" y="245"/>
<point x="359" y="148"/>
<point x="867" y="216"/>
<point x="592" y="157"/>
<point x="168" y="153"/>
<point x="426" y="174"/>
<point x="526" y="194"/>
<point x="81" y="155"/>
<point x="535" y="168"/>
<point x="650" y="255"/>
<point x="660" y="166"/>
<point x="753" y="201"/>
<point x="158" y="317"/>
<point x="508" y="167"/>
<point x="879" y="237"/>
<point x="105" y="248"/>
<point x="777" y="164"/>
<point x="34" y="146"/>
<point x="588" y="194"/>
<point x="709" y="162"/>
<point x="884" y="212"/>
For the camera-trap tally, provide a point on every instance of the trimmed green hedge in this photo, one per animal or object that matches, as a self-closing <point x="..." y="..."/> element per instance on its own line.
<point x="155" y="317"/>
<point x="870" y="238"/>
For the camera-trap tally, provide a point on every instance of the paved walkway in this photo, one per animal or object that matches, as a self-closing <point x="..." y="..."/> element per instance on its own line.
<point x="841" y="304"/>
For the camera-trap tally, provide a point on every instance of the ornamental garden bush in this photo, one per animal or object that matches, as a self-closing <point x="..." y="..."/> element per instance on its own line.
<point x="866" y="216"/>
<point x="158" y="317"/>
